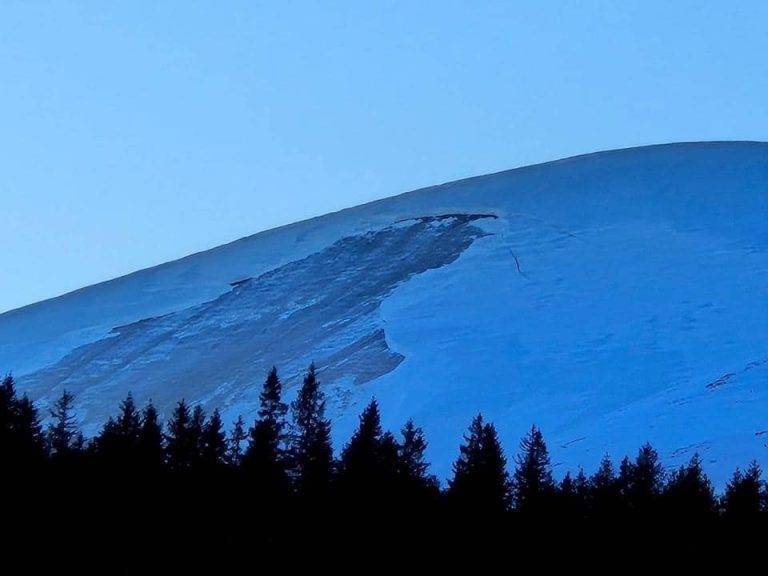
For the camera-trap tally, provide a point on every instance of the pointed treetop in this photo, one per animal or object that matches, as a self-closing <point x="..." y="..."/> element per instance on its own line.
<point x="271" y="406"/>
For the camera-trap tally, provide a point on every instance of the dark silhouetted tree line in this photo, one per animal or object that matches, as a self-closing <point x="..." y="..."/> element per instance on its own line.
<point x="186" y="491"/>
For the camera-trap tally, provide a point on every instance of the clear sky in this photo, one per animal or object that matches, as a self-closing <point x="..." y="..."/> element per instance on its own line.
<point x="138" y="132"/>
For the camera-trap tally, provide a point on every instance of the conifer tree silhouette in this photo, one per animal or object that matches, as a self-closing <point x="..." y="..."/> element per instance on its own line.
<point x="266" y="459"/>
<point x="624" y="481"/>
<point x="533" y="485"/>
<point x="181" y="440"/>
<point x="689" y="495"/>
<point x="571" y="501"/>
<point x="359" y="456"/>
<point x="7" y="414"/>
<point x="312" y="454"/>
<point x="583" y="494"/>
<point x="605" y="499"/>
<point x="213" y="442"/>
<point x="417" y="486"/>
<point x="744" y="499"/>
<point x="129" y="420"/>
<point x="22" y="443"/>
<point x="271" y="405"/>
<point x="64" y="438"/>
<point x="237" y="436"/>
<point x="480" y="484"/>
<point x="117" y="445"/>
<point x="30" y="440"/>
<point x="151" y="454"/>
<point x="643" y="481"/>
<point x="196" y="429"/>
<point x="369" y="462"/>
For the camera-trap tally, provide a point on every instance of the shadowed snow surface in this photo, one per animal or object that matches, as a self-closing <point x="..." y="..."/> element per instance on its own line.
<point x="611" y="299"/>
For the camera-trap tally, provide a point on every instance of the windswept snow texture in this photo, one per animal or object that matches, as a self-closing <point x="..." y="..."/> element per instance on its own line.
<point x="612" y="299"/>
<point x="323" y="308"/>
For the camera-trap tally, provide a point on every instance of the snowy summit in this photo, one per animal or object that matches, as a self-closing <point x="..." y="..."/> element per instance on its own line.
<point x="611" y="299"/>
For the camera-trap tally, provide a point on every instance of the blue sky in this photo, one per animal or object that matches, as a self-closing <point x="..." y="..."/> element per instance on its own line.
<point x="138" y="132"/>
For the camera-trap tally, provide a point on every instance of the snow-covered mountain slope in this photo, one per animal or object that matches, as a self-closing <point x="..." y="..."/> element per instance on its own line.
<point x="611" y="298"/>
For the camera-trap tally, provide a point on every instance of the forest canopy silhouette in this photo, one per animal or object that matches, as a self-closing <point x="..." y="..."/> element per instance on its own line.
<point x="187" y="484"/>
